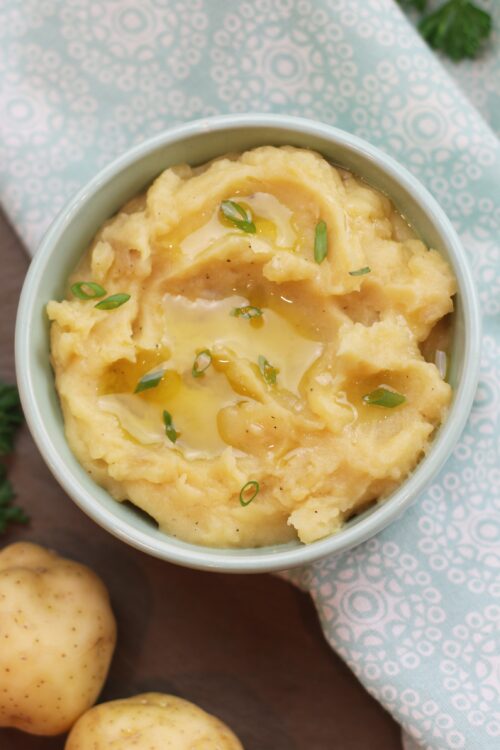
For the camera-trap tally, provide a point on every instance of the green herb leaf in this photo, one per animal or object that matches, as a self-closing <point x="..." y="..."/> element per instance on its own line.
<point x="458" y="28"/>
<point x="10" y="419"/>
<point x="268" y="372"/>
<point x="238" y="216"/>
<point x="360" y="271"/>
<point x="202" y="362"/>
<point x="249" y="492"/>
<point x="94" y="291"/>
<point x="170" y="430"/>
<point x="248" y="312"/>
<point x="149" y="380"/>
<point x="8" y="513"/>
<point x="441" y="362"/>
<point x="12" y="514"/>
<point x="115" y="300"/>
<point x="417" y="4"/>
<point x="11" y="416"/>
<point x="320" y="242"/>
<point x="384" y="397"/>
<point x="6" y="491"/>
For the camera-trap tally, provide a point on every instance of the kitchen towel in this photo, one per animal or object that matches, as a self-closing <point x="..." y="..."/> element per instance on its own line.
<point x="415" y="612"/>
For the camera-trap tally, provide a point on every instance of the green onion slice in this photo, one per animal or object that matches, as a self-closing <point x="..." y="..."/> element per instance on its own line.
<point x="202" y="362"/>
<point x="170" y="430"/>
<point x="253" y="488"/>
<point x="88" y="290"/>
<point x="384" y="397"/>
<point x="239" y="216"/>
<point x="441" y="362"/>
<point x="320" y="242"/>
<point x="248" y="312"/>
<point x="268" y="372"/>
<point x="360" y="271"/>
<point x="149" y="380"/>
<point x="115" y="300"/>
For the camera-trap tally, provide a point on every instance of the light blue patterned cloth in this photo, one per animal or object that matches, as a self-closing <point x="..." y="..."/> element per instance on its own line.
<point x="415" y="612"/>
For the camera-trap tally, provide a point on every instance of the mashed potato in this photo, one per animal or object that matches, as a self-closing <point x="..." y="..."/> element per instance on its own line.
<point x="259" y="377"/>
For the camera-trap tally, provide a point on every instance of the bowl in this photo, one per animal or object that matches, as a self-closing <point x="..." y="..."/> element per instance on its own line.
<point x="71" y="233"/>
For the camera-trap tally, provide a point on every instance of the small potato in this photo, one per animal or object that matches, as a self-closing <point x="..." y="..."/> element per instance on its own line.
<point x="57" y="636"/>
<point x="151" y="721"/>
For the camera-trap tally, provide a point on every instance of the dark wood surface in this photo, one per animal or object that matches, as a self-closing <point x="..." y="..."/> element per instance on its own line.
<point x="246" y="648"/>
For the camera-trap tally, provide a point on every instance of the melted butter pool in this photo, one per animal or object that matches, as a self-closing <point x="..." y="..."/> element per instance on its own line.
<point x="357" y="389"/>
<point x="192" y="326"/>
<point x="273" y="222"/>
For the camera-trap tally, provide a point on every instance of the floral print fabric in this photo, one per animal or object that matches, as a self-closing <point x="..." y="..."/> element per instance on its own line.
<point x="415" y="612"/>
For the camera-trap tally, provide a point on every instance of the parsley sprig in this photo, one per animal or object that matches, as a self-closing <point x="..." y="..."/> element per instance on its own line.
<point x="9" y="513"/>
<point x="10" y="419"/>
<point x="458" y="27"/>
<point x="418" y="4"/>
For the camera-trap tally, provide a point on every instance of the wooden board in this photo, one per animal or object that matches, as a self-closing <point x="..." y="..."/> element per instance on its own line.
<point x="247" y="648"/>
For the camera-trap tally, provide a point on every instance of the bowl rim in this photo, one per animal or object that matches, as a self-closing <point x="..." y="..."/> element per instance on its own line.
<point x="216" y="559"/>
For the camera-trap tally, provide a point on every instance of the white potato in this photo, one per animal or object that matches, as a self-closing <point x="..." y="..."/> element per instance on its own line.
<point x="57" y="636"/>
<point x="151" y="721"/>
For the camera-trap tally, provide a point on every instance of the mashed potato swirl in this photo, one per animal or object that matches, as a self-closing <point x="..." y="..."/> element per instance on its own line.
<point x="264" y="360"/>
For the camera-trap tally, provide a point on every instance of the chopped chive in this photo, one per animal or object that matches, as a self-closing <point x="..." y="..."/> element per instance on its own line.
<point x="384" y="397"/>
<point x="149" y="380"/>
<point x="202" y="362"/>
<point x="441" y="362"/>
<point x="320" y="242"/>
<point x="239" y="216"/>
<point x="115" y="300"/>
<point x="360" y="271"/>
<point x="248" y="312"/>
<point x="268" y="372"/>
<point x="170" y="430"/>
<point x="255" y="486"/>
<point x="94" y="291"/>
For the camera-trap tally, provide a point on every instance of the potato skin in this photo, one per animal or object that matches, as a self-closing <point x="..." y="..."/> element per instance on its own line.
<point x="151" y="721"/>
<point x="57" y="636"/>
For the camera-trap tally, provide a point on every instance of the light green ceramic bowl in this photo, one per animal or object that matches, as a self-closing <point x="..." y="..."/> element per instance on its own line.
<point x="69" y="236"/>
